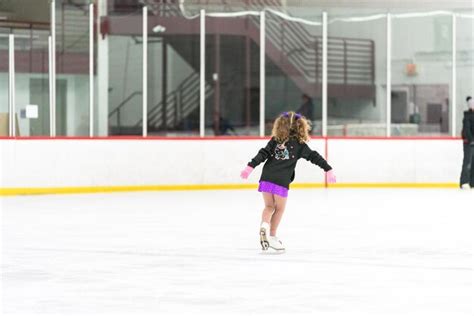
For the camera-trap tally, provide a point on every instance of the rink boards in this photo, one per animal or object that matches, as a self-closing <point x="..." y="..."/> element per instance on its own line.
<point x="32" y="166"/>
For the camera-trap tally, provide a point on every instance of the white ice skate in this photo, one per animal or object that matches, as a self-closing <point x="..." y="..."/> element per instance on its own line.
<point x="465" y="186"/>
<point x="264" y="233"/>
<point x="276" y="244"/>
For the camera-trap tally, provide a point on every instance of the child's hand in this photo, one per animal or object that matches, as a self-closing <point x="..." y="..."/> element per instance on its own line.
<point x="246" y="172"/>
<point x="330" y="176"/>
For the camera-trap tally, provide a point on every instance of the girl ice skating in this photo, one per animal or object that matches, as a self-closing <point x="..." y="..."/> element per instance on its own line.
<point x="287" y="145"/>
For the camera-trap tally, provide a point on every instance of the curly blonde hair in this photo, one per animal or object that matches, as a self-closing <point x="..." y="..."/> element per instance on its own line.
<point x="291" y="125"/>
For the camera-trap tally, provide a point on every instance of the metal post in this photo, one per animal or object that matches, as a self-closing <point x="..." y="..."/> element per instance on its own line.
<point x="247" y="83"/>
<point x="262" y="73"/>
<point x="145" y="72"/>
<point x="52" y="65"/>
<point x="217" y="85"/>
<point x="389" y="75"/>
<point x="102" y="72"/>
<point x="91" y="69"/>
<point x="453" y="80"/>
<point x="325" y="76"/>
<point x="51" y="100"/>
<point x="202" y="72"/>
<point x="164" y="85"/>
<point x="11" y="85"/>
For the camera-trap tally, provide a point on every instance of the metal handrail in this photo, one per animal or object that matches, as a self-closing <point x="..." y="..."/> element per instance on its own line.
<point x="124" y="102"/>
<point x="187" y="87"/>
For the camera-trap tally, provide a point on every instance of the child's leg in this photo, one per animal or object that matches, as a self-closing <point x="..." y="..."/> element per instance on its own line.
<point x="269" y="207"/>
<point x="280" y="204"/>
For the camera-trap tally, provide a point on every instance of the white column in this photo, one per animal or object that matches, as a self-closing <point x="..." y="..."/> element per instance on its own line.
<point x="51" y="78"/>
<point x="52" y="66"/>
<point x="453" y="80"/>
<point x="262" y="73"/>
<point x="389" y="75"/>
<point x="202" y="72"/>
<point x="11" y="86"/>
<point x="324" y="88"/>
<point x="91" y="69"/>
<point x="145" y="71"/>
<point x="102" y="73"/>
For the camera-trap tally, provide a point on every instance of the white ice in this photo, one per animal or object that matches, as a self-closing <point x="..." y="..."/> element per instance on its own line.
<point x="349" y="252"/>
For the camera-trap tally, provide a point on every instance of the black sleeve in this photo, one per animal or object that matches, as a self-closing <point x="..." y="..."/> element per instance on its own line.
<point x="468" y="130"/>
<point x="314" y="157"/>
<point x="263" y="154"/>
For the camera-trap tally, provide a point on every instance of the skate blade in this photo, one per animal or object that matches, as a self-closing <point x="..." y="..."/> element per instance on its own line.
<point x="263" y="239"/>
<point x="270" y="251"/>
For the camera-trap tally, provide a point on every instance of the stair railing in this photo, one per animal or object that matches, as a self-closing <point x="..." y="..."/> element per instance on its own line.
<point x="118" y="109"/>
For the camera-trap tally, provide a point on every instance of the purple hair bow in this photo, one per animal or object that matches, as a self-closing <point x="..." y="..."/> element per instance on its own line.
<point x="286" y="114"/>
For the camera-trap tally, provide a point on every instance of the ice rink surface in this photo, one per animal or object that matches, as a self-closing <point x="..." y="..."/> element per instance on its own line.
<point x="349" y="252"/>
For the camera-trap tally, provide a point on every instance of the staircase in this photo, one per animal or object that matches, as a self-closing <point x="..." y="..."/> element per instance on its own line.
<point x="290" y="47"/>
<point x="167" y="114"/>
<point x="178" y="105"/>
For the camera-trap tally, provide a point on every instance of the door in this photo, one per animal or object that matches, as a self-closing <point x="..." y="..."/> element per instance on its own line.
<point x="434" y="116"/>
<point x="399" y="107"/>
<point x="39" y="96"/>
<point x="61" y="107"/>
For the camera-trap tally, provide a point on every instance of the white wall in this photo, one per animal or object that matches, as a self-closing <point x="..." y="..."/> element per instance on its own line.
<point x="90" y="163"/>
<point x="77" y="99"/>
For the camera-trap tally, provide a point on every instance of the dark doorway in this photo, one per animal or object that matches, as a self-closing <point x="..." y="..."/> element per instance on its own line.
<point x="399" y="110"/>
<point x="434" y="116"/>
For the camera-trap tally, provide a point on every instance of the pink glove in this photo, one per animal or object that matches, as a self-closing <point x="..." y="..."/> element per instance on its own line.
<point x="246" y="172"/>
<point x="330" y="176"/>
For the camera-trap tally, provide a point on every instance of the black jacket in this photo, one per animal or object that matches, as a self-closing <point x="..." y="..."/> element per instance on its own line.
<point x="468" y="127"/>
<point x="281" y="161"/>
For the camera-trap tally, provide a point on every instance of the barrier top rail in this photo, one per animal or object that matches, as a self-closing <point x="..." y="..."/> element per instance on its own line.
<point x="365" y="18"/>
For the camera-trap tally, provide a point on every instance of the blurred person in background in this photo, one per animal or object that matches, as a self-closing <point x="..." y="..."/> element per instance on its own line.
<point x="306" y="108"/>
<point x="467" y="173"/>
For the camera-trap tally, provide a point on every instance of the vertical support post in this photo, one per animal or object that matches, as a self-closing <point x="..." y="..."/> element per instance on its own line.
<point x="145" y="72"/>
<point x="51" y="78"/>
<point x="453" y="80"/>
<point x="102" y="71"/>
<point x="164" y="85"/>
<point x="262" y="73"/>
<point x="202" y="72"/>
<point x="389" y="76"/>
<point x="217" y="84"/>
<point x="52" y="66"/>
<point x="11" y="86"/>
<point x="248" y="83"/>
<point x="91" y="69"/>
<point x="324" y="87"/>
<point x="316" y="54"/>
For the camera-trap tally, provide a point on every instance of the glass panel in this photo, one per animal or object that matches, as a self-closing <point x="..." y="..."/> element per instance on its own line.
<point x="356" y="76"/>
<point x="72" y="68"/>
<point x="4" y="111"/>
<point x="464" y="65"/>
<point x="232" y="75"/>
<point x="32" y="80"/>
<point x="173" y="72"/>
<point x="421" y="75"/>
<point x="293" y="68"/>
<point x="125" y="72"/>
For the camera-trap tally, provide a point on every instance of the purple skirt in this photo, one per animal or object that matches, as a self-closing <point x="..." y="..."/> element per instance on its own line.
<point x="273" y="188"/>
